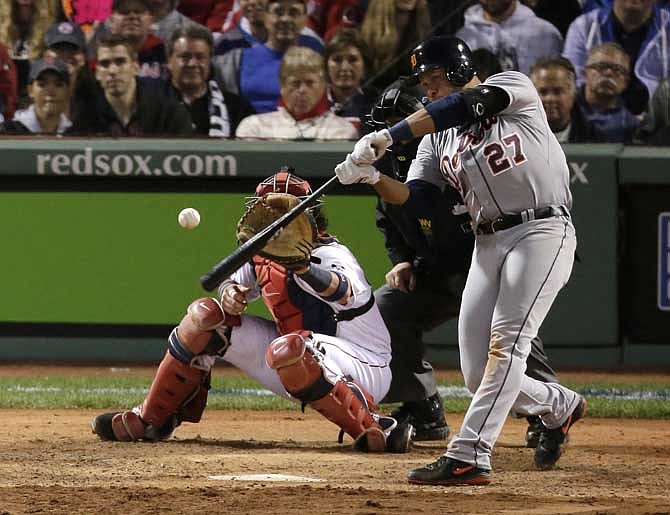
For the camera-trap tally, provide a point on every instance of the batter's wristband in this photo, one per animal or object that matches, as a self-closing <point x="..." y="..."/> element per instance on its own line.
<point x="401" y="132"/>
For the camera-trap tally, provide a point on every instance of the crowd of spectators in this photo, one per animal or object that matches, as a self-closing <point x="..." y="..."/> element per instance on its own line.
<point x="311" y="69"/>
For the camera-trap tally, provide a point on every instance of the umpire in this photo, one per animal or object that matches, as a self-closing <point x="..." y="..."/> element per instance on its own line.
<point x="430" y="258"/>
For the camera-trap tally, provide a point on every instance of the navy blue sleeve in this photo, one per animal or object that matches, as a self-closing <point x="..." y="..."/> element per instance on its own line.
<point x="467" y="106"/>
<point x="397" y="247"/>
<point x="423" y="198"/>
<point x="450" y="111"/>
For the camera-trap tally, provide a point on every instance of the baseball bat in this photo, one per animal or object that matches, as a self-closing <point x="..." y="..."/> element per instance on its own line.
<point x="250" y="248"/>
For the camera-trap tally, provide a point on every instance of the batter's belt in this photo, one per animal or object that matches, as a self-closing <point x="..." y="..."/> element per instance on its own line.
<point x="512" y="220"/>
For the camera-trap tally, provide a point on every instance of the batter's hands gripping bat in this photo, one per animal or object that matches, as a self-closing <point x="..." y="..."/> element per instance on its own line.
<point x="250" y="248"/>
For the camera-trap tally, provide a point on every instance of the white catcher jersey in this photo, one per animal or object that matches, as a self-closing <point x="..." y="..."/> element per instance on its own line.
<point x="506" y="163"/>
<point x="367" y="330"/>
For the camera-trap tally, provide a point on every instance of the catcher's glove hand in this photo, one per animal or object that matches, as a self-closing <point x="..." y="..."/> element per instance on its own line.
<point x="292" y="245"/>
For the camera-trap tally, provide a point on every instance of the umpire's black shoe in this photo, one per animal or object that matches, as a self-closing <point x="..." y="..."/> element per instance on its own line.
<point x="552" y="441"/>
<point x="533" y="432"/>
<point x="449" y="472"/>
<point x="427" y="417"/>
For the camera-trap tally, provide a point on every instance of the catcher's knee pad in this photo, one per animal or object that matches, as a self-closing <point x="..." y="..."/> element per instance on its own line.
<point x="197" y="329"/>
<point x="298" y="369"/>
<point x="345" y="403"/>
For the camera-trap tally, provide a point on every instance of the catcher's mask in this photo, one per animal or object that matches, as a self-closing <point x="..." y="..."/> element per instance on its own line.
<point x="286" y="181"/>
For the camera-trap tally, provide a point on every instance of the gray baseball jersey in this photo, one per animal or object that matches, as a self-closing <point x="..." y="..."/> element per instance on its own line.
<point x="504" y="164"/>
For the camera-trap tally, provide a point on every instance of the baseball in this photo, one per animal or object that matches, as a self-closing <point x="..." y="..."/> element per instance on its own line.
<point x="189" y="218"/>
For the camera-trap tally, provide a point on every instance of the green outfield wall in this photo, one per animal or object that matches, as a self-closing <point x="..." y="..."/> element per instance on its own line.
<point x="96" y="267"/>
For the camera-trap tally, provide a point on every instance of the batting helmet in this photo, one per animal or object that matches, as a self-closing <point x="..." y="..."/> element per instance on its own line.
<point x="397" y="101"/>
<point x="449" y="53"/>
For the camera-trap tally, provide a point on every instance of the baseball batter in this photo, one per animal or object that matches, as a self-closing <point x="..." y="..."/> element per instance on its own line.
<point x="491" y="142"/>
<point x="326" y="347"/>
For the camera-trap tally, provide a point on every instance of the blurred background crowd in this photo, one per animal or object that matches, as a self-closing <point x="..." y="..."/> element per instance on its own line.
<point x="312" y="69"/>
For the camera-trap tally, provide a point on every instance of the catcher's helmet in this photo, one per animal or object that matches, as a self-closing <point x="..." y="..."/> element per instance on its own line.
<point x="446" y="52"/>
<point x="397" y="101"/>
<point x="284" y="181"/>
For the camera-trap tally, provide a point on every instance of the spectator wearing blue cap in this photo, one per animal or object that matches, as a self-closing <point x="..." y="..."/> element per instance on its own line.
<point x="66" y="41"/>
<point x="48" y="87"/>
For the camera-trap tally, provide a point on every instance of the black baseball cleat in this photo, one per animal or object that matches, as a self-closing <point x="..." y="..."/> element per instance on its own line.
<point x="427" y="417"/>
<point x="399" y="440"/>
<point x="449" y="472"/>
<point x="553" y="441"/>
<point x="533" y="432"/>
<point x="102" y="426"/>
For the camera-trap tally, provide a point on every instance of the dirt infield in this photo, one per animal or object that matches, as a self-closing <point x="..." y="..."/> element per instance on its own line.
<point x="51" y="463"/>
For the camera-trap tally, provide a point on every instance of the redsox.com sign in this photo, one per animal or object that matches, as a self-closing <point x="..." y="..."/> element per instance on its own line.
<point x="664" y="261"/>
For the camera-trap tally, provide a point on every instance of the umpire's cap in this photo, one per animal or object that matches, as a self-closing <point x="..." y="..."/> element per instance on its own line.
<point x="446" y="52"/>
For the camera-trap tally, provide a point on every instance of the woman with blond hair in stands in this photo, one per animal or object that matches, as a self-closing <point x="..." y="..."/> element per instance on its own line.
<point x="23" y="24"/>
<point x="391" y="29"/>
<point x="303" y="111"/>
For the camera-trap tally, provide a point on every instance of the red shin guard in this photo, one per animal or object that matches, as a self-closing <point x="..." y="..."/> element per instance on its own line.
<point x="346" y="404"/>
<point x="344" y="407"/>
<point x="174" y="384"/>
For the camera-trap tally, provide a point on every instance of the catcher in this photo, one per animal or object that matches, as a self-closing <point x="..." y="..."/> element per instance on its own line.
<point x="327" y="346"/>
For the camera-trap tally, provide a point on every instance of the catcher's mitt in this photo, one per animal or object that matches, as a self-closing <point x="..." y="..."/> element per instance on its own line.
<point x="293" y="244"/>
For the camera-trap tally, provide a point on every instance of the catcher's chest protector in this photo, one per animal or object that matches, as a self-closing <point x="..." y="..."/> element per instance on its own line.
<point x="272" y="279"/>
<point x="292" y="308"/>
